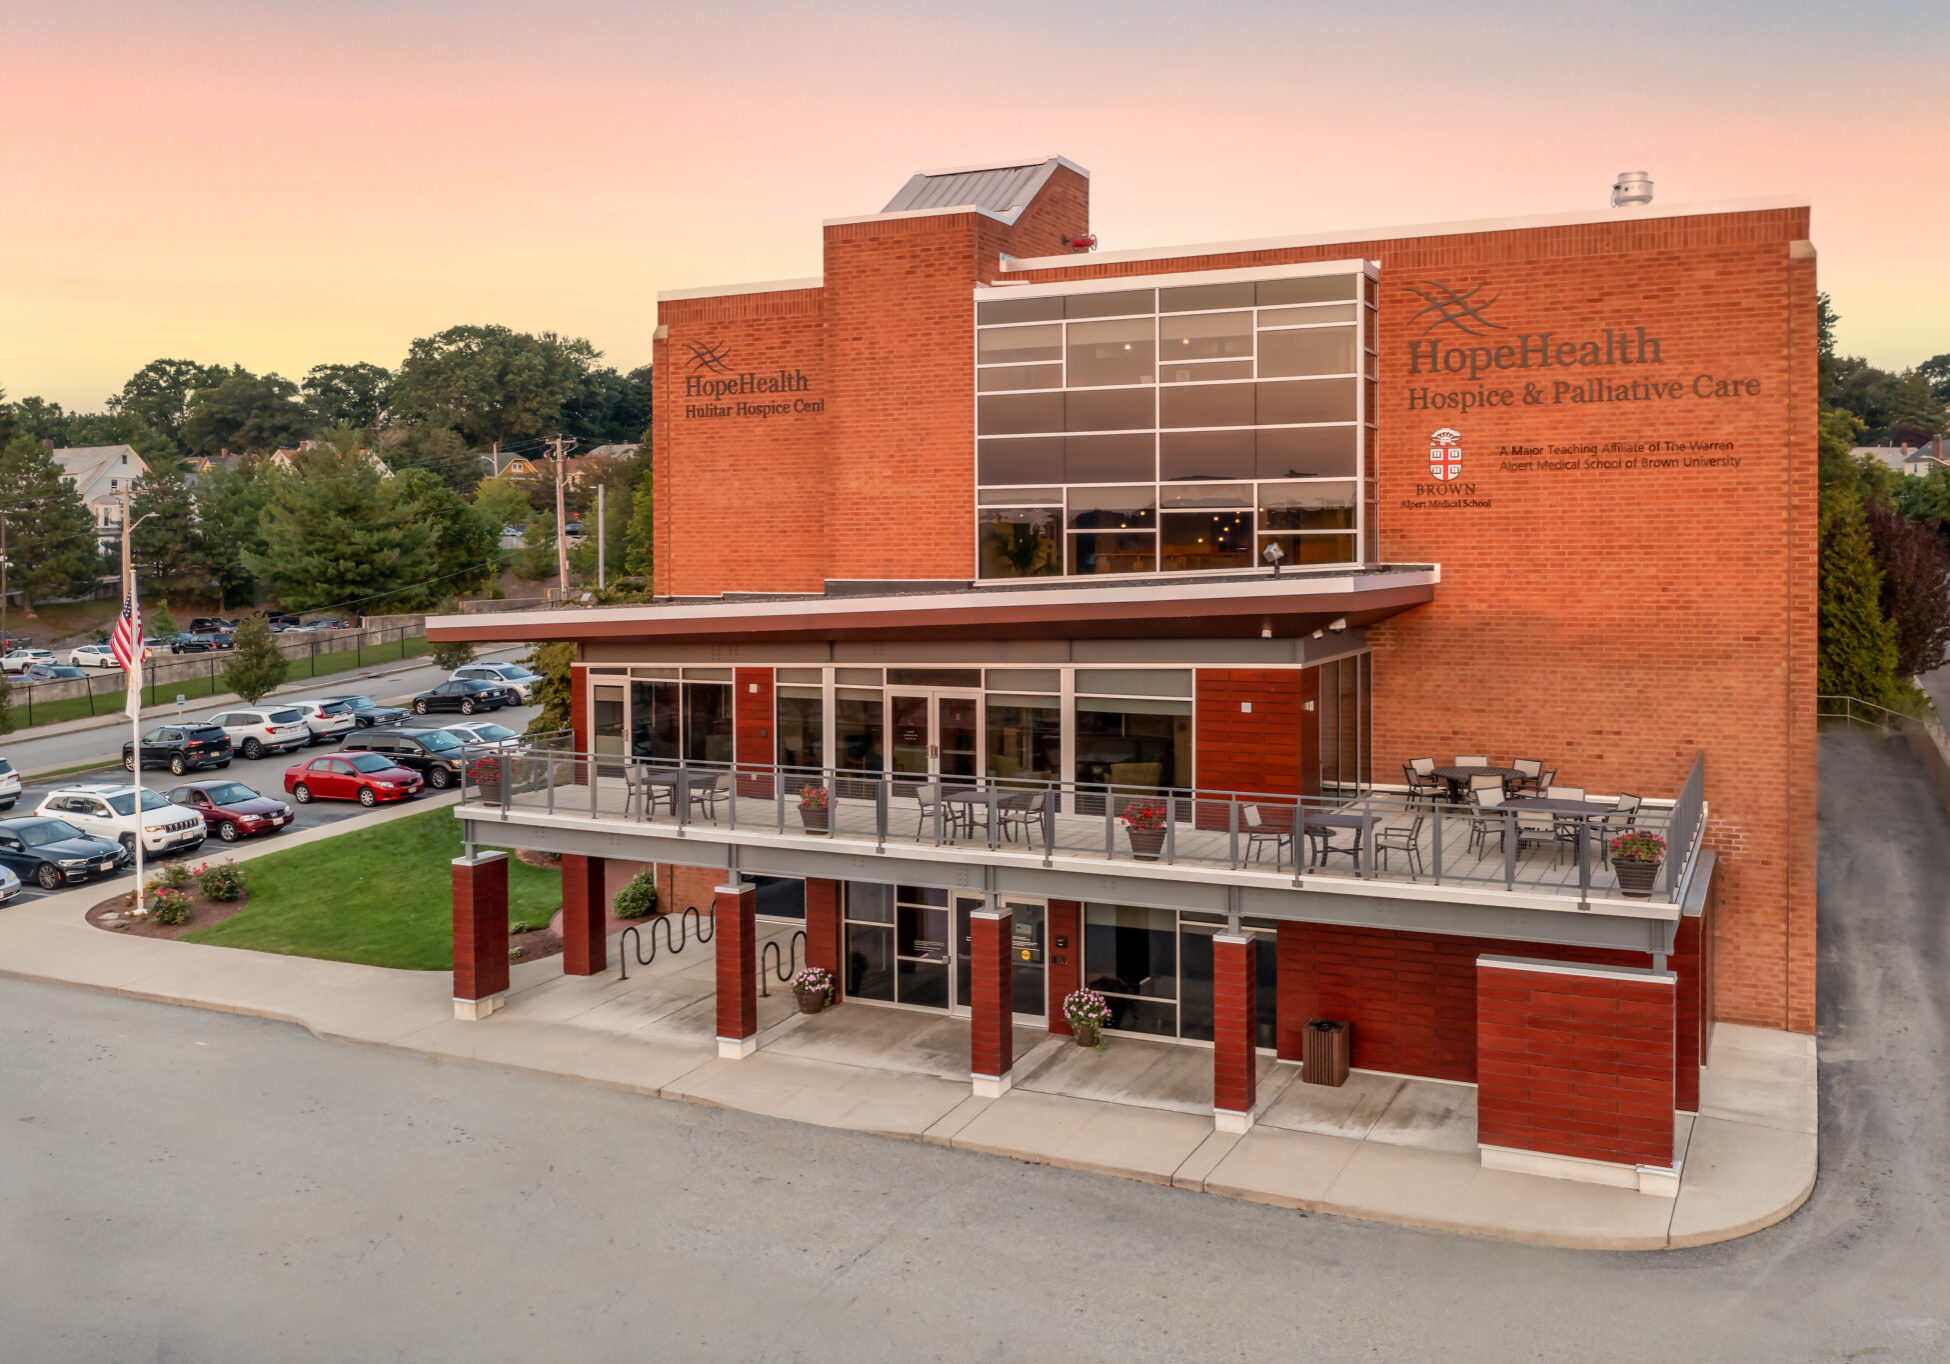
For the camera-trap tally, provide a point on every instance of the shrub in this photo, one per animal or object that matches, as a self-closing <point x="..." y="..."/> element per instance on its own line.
<point x="170" y="906"/>
<point x="223" y="882"/>
<point x="638" y="900"/>
<point x="170" y="876"/>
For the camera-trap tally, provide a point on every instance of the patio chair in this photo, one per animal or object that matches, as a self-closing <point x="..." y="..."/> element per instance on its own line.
<point x="1472" y="760"/>
<point x="1540" y="830"/>
<point x="637" y="792"/>
<point x="1487" y="782"/>
<point x="709" y="793"/>
<point x="1533" y="771"/>
<point x="1607" y="827"/>
<point x="1422" y="781"/>
<point x="1400" y="839"/>
<point x="928" y="795"/>
<point x="1019" y="812"/>
<point x="1259" y="833"/>
<point x="1487" y="820"/>
<point x="1564" y="792"/>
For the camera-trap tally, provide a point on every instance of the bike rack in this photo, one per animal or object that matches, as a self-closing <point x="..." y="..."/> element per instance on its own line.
<point x="690" y="926"/>
<point x="785" y="962"/>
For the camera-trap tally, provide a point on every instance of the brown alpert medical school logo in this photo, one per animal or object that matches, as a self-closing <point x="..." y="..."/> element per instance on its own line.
<point x="1445" y="454"/>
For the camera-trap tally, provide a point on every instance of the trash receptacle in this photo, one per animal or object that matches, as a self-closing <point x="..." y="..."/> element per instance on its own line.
<point x="1323" y="1059"/>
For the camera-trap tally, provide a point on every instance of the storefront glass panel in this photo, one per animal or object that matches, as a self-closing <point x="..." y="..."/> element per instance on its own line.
<point x="1025" y="736"/>
<point x="1130" y="956"/>
<point x="1021" y="542"/>
<point x="1133" y="744"/>
<point x="802" y="727"/>
<point x="656" y="720"/>
<point x="707" y="722"/>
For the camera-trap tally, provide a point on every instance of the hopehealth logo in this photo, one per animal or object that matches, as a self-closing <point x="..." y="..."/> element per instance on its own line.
<point x="1461" y="311"/>
<point x="708" y="357"/>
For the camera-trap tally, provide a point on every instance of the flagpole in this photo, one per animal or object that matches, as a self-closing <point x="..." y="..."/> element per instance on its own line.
<point x="134" y="702"/>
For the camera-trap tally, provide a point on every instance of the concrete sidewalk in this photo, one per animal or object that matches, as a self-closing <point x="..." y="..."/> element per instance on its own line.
<point x="1382" y="1148"/>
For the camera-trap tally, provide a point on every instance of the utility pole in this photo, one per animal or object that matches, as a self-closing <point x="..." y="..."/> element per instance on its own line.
<point x="602" y="540"/>
<point x="562" y="447"/>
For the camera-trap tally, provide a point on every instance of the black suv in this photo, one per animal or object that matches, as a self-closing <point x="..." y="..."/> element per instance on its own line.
<point x="212" y="625"/>
<point x="367" y="711"/>
<point x="181" y="748"/>
<point x="465" y="696"/>
<point x="434" y="753"/>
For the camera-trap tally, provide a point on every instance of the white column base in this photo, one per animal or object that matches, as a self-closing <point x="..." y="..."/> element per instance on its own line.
<point x="1647" y="1179"/>
<point x="736" y="1048"/>
<point x="474" y="1010"/>
<point x="1225" y="1120"/>
<point x="992" y="1086"/>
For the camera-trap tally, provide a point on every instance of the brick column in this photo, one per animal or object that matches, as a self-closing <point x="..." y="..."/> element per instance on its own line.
<point x="991" y="1047"/>
<point x="1688" y="1014"/>
<point x="480" y="934"/>
<point x="1064" y="957"/>
<point x="1235" y="1035"/>
<point x="1574" y="1069"/>
<point x="585" y="915"/>
<point x="825" y="943"/>
<point x="735" y="941"/>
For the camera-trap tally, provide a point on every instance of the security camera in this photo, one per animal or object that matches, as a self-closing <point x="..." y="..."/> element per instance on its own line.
<point x="1338" y="626"/>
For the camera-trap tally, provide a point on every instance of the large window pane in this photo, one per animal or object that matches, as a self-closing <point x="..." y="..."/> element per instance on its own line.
<point x="869" y="962"/>
<point x="1206" y="405"/>
<point x="1311" y="549"/>
<point x="802" y="727"/>
<point x="1202" y="371"/>
<point x="1113" y="508"/>
<point x="1134" y="681"/>
<point x="1199" y="297"/>
<point x="1205" y="454"/>
<point x="707" y="722"/>
<point x="1186" y="495"/>
<point x="1122" y="352"/>
<point x="1132" y="952"/>
<point x="1308" y="317"/>
<point x="1136" y="745"/>
<point x="1025" y="736"/>
<point x="1013" y="414"/>
<point x="1124" y="458"/>
<point x="654" y="720"/>
<point x="780" y="897"/>
<point x="870" y="902"/>
<point x="1018" y="310"/>
<point x="1206" y="336"/>
<point x="1306" y="506"/>
<point x="1033" y="460"/>
<point x="1320" y="350"/>
<point x="1110" y="409"/>
<point x="1307" y="452"/>
<point x="1010" y="377"/>
<point x="1019" y="345"/>
<point x="1312" y="289"/>
<point x="859" y="731"/>
<point x="1021" y="542"/>
<point x="1112" y="304"/>
<point x="1191" y="542"/>
<point x="1113" y="552"/>
<point x="1305" y="400"/>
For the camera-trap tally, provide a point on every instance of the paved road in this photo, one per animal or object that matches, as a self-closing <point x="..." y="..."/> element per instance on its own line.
<point x="182" y="1185"/>
<point x="37" y="754"/>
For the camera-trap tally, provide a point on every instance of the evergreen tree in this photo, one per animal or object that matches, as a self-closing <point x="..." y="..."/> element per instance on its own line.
<point x="167" y="539"/>
<point x="1857" y="646"/>
<point x="230" y="512"/>
<point x="9" y="722"/>
<point x="642" y="552"/>
<point x="553" y="662"/>
<point x="337" y="534"/>
<point x="466" y="545"/>
<point x="51" y="536"/>
<point x="159" y="622"/>
<point x="256" y="665"/>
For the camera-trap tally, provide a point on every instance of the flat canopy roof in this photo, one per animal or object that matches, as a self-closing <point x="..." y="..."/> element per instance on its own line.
<point x="1232" y="607"/>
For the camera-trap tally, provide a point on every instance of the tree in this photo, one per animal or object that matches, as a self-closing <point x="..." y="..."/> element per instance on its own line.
<point x="537" y="558"/>
<point x="553" y="662"/>
<point x="256" y="665"/>
<point x="607" y="406"/>
<point x="8" y="722"/>
<point x="641" y="553"/>
<point x="434" y="447"/>
<point x="104" y="428"/>
<point x="160" y="623"/>
<point x="1936" y="370"/>
<point x="51" y="536"/>
<point x="348" y="395"/>
<point x="9" y="424"/>
<point x="337" y="534"/>
<point x="454" y="654"/>
<point x="41" y="420"/>
<point x="159" y="394"/>
<point x="1856" y="645"/>
<point x="492" y="384"/>
<point x="246" y="411"/>
<point x="230" y="511"/>
<point x="167" y="539"/>
<point x="466" y="545"/>
<point x="1915" y="588"/>
<point x="502" y="501"/>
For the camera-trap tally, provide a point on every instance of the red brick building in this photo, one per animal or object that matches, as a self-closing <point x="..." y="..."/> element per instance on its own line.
<point x="1381" y="579"/>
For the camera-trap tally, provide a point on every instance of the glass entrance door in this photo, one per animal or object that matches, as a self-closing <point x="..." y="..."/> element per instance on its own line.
<point x="1026" y="931"/>
<point x="933" y="734"/>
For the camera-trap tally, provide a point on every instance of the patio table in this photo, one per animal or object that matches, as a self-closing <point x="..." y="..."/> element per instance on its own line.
<point x="1583" y="811"/>
<point x="987" y="797"/>
<point x="677" y="780"/>
<point x="1341" y="819"/>
<point x="1460" y="777"/>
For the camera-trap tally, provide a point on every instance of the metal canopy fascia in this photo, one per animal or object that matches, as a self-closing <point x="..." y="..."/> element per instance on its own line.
<point x="1486" y="914"/>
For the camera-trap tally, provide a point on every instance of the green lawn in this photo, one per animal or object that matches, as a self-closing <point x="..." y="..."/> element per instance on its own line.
<point x="380" y="897"/>
<point x="107" y="699"/>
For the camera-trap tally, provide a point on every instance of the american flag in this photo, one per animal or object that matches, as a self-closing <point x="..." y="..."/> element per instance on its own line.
<point x="126" y="642"/>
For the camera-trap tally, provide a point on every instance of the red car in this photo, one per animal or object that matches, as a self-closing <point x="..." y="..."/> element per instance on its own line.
<point x="365" y="777"/>
<point x="231" y="810"/>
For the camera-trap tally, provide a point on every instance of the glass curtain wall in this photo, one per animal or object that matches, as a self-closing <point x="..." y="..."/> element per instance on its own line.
<point x="1154" y="969"/>
<point x="690" y="720"/>
<point x="1181" y="429"/>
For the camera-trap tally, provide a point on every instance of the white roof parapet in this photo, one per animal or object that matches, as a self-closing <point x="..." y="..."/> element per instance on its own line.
<point x="764" y="286"/>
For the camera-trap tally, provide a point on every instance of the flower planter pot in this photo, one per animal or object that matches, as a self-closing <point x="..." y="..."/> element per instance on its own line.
<point x="814" y="819"/>
<point x="1146" y="843"/>
<point x="1635" y="878"/>
<point x="490" y="792"/>
<point x="811" y="1001"/>
<point x="1086" y="1036"/>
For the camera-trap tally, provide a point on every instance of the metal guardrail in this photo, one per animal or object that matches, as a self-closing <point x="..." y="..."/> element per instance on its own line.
<point x="1453" y="842"/>
<point x="1926" y="736"/>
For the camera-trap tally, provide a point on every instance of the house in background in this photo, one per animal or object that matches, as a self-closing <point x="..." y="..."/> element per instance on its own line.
<point x="503" y="465"/>
<point x="283" y="458"/>
<point x="1914" y="460"/>
<point x="100" y="474"/>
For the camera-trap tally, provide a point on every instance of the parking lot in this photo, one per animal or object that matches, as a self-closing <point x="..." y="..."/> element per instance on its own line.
<point x="264" y="775"/>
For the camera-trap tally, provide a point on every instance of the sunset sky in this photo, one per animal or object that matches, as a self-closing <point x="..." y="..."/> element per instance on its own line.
<point x="283" y="184"/>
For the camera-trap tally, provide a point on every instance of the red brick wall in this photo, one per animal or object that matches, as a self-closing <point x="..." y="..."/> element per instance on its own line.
<point x="734" y="943"/>
<point x="1575" y="1065"/>
<point x="752" y="709"/>
<point x="680" y="888"/>
<point x="481" y="928"/>
<point x="1410" y="996"/>
<point x="1064" y="970"/>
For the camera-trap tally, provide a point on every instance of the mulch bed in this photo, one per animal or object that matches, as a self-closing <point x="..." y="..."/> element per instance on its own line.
<point x="546" y="861"/>
<point x="116" y="917"/>
<point x="536" y="944"/>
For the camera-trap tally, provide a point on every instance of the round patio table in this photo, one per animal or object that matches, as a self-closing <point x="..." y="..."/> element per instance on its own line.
<point x="1459" y="777"/>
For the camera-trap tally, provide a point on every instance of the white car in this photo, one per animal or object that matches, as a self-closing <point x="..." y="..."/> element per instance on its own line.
<point x="9" y="785"/>
<point x="327" y="720"/>
<point x="257" y="730"/>
<point x="22" y="659"/>
<point x="513" y="676"/>
<point x="92" y="656"/>
<point x="484" y="734"/>
<point x="109" y="812"/>
<point x="9" y="884"/>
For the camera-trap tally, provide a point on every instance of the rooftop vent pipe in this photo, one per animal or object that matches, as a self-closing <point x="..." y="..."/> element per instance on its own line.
<point x="1633" y="187"/>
